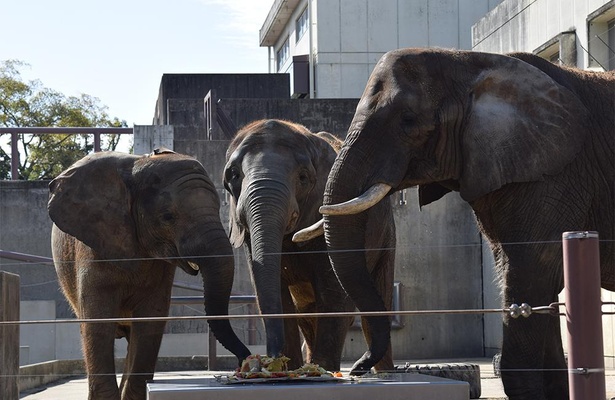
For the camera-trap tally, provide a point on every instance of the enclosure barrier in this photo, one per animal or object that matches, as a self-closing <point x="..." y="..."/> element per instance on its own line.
<point x="583" y="311"/>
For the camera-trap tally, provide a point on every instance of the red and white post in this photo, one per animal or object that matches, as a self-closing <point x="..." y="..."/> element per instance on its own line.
<point x="583" y="315"/>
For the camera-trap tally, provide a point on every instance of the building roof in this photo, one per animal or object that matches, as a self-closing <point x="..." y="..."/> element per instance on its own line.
<point x="276" y="20"/>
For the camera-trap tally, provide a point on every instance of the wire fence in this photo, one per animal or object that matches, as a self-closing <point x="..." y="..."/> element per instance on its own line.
<point x="513" y="310"/>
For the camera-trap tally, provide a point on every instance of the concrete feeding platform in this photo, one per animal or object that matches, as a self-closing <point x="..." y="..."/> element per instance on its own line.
<point x="392" y="387"/>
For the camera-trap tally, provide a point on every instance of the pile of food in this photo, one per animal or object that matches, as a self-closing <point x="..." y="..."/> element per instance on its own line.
<point x="264" y="367"/>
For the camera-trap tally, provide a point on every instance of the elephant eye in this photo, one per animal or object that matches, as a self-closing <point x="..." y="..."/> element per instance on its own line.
<point x="304" y="178"/>
<point x="408" y="119"/>
<point x="232" y="174"/>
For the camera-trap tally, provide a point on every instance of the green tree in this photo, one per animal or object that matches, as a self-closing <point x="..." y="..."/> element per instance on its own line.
<point x="30" y="104"/>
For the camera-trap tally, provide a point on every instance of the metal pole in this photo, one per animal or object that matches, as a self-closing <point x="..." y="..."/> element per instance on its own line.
<point x="96" y="142"/>
<point x="583" y="315"/>
<point x="212" y="356"/>
<point x="14" y="156"/>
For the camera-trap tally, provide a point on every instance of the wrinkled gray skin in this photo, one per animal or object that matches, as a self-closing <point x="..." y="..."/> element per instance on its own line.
<point x="276" y="173"/>
<point x="529" y="145"/>
<point x="122" y="223"/>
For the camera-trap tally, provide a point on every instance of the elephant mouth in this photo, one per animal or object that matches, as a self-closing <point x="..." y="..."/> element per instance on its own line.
<point x="190" y="267"/>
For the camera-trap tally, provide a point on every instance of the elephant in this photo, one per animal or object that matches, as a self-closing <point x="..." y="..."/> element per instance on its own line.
<point x="526" y="143"/>
<point x="122" y="223"/>
<point x="275" y="174"/>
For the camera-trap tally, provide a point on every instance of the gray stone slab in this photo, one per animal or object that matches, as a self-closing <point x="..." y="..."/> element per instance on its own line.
<point x="395" y="387"/>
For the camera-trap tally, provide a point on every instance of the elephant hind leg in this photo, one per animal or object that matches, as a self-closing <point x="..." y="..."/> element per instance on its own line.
<point x="292" y="337"/>
<point x="556" y="375"/>
<point x="143" y="347"/>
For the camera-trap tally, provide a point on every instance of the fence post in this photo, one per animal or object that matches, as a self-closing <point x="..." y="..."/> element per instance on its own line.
<point x="96" y="142"/>
<point x="212" y="357"/>
<point x="9" y="336"/>
<point x="583" y="315"/>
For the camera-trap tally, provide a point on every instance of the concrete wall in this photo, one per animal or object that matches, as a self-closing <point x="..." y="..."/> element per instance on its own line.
<point x="196" y="86"/>
<point x="527" y="25"/>
<point x="146" y="138"/>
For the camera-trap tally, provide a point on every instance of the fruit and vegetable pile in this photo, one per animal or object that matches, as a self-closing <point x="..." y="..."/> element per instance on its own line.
<point x="264" y="367"/>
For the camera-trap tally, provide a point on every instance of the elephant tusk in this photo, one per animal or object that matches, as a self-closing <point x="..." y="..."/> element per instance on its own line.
<point x="194" y="266"/>
<point x="354" y="206"/>
<point x="309" y="233"/>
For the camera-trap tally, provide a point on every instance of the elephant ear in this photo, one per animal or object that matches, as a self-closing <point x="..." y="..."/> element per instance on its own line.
<point x="92" y="202"/>
<point x="522" y="125"/>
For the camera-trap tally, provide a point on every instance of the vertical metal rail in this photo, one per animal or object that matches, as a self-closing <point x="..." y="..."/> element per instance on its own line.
<point x="14" y="156"/>
<point x="583" y="315"/>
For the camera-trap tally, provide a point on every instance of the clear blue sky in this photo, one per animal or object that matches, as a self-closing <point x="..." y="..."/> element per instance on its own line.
<point x="118" y="50"/>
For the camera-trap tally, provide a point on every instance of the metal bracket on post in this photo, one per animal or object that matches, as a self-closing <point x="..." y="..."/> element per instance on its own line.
<point x="583" y="315"/>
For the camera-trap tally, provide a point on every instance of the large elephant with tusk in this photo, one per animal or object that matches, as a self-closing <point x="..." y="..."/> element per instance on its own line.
<point x="528" y="144"/>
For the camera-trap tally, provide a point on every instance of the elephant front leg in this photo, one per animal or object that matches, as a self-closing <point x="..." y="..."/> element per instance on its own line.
<point x="98" y="341"/>
<point x="331" y="332"/>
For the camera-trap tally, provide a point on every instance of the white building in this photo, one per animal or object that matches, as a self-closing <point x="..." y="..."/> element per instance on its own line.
<point x="348" y="37"/>
<point x="577" y="33"/>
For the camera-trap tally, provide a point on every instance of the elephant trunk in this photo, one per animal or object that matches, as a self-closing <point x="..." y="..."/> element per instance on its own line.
<point x="217" y="268"/>
<point x="345" y="236"/>
<point x="267" y="205"/>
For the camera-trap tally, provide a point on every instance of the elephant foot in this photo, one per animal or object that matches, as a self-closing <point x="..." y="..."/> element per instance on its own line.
<point x="363" y="364"/>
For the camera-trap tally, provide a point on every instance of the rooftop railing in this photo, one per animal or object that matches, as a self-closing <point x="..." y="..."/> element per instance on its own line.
<point x="15" y="132"/>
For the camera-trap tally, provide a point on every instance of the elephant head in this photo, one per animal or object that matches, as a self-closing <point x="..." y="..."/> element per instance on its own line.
<point x="526" y="143"/>
<point x="275" y="174"/>
<point x="129" y="209"/>
<point x="444" y="120"/>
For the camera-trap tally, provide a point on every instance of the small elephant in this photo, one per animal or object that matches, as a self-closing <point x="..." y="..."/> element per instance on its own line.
<point x="275" y="173"/>
<point x="528" y="144"/>
<point x="122" y="223"/>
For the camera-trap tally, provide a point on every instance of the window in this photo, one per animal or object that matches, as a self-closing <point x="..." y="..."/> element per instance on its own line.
<point x="301" y="25"/>
<point x="611" y="42"/>
<point x="283" y="54"/>
<point x="561" y="50"/>
<point x="601" y="38"/>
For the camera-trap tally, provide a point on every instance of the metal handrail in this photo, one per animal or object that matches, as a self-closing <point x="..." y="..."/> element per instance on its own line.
<point x="42" y="130"/>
